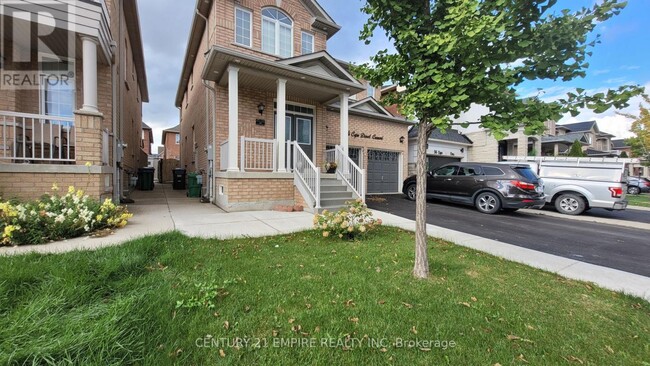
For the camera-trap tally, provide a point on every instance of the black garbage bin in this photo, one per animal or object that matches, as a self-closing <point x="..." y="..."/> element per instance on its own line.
<point x="179" y="178"/>
<point x="145" y="179"/>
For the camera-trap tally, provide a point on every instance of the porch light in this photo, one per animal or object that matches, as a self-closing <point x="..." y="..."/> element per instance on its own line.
<point x="260" y="108"/>
<point x="401" y="140"/>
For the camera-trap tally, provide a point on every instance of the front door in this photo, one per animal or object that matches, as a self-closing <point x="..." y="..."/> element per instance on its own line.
<point x="299" y="128"/>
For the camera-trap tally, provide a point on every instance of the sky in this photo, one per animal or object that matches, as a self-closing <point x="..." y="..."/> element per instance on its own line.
<point x="622" y="57"/>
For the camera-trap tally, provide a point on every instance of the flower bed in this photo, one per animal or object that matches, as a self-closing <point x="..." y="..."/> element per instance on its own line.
<point x="56" y="217"/>
<point x="354" y="220"/>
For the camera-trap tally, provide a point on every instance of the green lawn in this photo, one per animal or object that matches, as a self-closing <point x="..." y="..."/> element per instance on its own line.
<point x="302" y="299"/>
<point x="642" y="200"/>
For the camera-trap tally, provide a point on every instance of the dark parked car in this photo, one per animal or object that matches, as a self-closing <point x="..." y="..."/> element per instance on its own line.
<point x="636" y="185"/>
<point x="488" y="187"/>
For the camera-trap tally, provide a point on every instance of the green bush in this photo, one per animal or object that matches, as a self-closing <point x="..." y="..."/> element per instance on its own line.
<point x="56" y="217"/>
<point x="353" y="221"/>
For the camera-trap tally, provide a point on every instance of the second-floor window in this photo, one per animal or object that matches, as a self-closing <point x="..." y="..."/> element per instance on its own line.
<point x="371" y="90"/>
<point x="307" y="43"/>
<point x="243" y="29"/>
<point x="178" y="138"/>
<point x="277" y="31"/>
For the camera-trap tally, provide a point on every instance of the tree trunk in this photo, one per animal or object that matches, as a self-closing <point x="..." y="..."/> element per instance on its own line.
<point x="421" y="267"/>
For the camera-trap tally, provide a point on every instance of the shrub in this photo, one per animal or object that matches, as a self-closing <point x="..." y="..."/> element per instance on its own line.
<point x="56" y="217"/>
<point x="353" y="221"/>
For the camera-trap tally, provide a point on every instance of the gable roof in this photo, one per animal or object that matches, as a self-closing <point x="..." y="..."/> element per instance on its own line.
<point x="370" y="104"/>
<point x="620" y="144"/>
<point x="145" y="127"/>
<point x="581" y="126"/>
<point x="321" y="21"/>
<point x="569" y="138"/>
<point x="320" y="62"/>
<point x="450" y="135"/>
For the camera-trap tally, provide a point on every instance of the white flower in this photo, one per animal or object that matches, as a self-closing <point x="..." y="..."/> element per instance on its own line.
<point x="59" y="219"/>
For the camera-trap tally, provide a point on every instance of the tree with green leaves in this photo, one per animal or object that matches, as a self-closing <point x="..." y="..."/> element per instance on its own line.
<point x="576" y="150"/>
<point x="640" y="143"/>
<point x="624" y="154"/>
<point x="452" y="53"/>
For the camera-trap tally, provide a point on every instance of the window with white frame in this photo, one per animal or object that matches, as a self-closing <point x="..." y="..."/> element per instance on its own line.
<point x="178" y="138"/>
<point x="58" y="99"/>
<point x="243" y="28"/>
<point x="370" y="90"/>
<point x="277" y="31"/>
<point x="307" y="43"/>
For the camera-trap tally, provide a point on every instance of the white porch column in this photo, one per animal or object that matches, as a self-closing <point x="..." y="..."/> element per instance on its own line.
<point x="345" y="125"/>
<point x="280" y="125"/>
<point x="89" y="75"/>
<point x="233" y="118"/>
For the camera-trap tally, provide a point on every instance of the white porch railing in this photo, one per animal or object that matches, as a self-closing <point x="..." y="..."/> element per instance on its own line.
<point x="34" y="138"/>
<point x="224" y="155"/>
<point x="330" y="155"/>
<point x="258" y="154"/>
<point x="306" y="172"/>
<point x="349" y="172"/>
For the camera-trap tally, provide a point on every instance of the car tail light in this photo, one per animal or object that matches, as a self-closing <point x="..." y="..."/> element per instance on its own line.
<point x="617" y="192"/>
<point x="523" y="185"/>
<point x="647" y="184"/>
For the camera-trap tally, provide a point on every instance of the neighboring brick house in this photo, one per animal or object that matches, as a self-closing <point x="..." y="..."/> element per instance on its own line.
<point x="485" y="148"/>
<point x="84" y="105"/>
<point x="251" y="63"/>
<point x="171" y="140"/>
<point x="559" y="138"/>
<point x="147" y="138"/>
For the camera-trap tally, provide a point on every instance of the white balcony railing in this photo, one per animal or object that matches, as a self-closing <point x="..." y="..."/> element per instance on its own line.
<point x="33" y="138"/>
<point x="224" y="155"/>
<point x="258" y="154"/>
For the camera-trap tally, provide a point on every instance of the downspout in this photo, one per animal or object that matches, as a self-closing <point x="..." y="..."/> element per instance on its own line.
<point x="208" y="120"/>
<point x="116" y="180"/>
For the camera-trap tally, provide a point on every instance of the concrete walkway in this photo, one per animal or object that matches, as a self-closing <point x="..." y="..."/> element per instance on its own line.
<point x="163" y="210"/>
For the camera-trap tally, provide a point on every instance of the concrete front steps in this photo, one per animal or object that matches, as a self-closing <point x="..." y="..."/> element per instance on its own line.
<point x="333" y="193"/>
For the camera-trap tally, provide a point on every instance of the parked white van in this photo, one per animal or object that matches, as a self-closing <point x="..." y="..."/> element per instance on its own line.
<point x="574" y="185"/>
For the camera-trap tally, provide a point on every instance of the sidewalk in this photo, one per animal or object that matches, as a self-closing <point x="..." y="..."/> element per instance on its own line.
<point x="163" y="210"/>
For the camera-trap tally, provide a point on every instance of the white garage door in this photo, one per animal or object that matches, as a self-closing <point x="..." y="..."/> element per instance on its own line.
<point x="383" y="171"/>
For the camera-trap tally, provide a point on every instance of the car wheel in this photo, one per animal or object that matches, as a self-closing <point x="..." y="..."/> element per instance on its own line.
<point x="488" y="202"/>
<point x="633" y="190"/>
<point x="410" y="192"/>
<point x="570" y="204"/>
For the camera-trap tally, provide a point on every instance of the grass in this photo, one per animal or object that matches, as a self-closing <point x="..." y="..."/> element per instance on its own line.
<point x="354" y="300"/>
<point x="642" y="200"/>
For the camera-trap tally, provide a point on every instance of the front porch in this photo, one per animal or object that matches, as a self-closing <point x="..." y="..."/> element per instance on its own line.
<point x="275" y="158"/>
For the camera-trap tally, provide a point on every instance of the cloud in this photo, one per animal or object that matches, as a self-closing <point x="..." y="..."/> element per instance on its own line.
<point x="630" y="67"/>
<point x="600" y="72"/>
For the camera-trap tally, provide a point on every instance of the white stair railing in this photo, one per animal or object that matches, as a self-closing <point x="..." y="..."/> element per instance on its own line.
<point x="306" y="172"/>
<point x="350" y="173"/>
<point x="330" y="155"/>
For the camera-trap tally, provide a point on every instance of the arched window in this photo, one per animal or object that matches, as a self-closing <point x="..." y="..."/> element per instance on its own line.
<point x="277" y="33"/>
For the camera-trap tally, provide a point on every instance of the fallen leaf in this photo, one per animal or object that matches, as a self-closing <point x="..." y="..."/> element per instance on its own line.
<point x="530" y="327"/>
<point x="383" y="350"/>
<point x="589" y="287"/>
<point x="226" y="325"/>
<point x="425" y="349"/>
<point x="413" y="330"/>
<point x="574" y="359"/>
<point x="636" y="306"/>
<point x="521" y="358"/>
<point x="350" y="303"/>
<point x="465" y="304"/>
<point x="609" y="349"/>
<point x="474" y="299"/>
<point x="381" y="302"/>
<point x="512" y="337"/>
<point x="497" y="364"/>
<point x="308" y="306"/>
<point x="275" y="333"/>
<point x="317" y="330"/>
<point x="354" y="320"/>
<point x="292" y="320"/>
<point x="222" y="353"/>
<point x="296" y="328"/>
<point x="408" y="305"/>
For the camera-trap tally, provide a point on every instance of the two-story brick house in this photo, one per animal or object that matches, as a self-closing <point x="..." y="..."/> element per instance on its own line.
<point x="559" y="138"/>
<point x="71" y="102"/>
<point x="263" y="105"/>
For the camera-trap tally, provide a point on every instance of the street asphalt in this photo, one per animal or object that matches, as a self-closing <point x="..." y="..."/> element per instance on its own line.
<point x="617" y="247"/>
